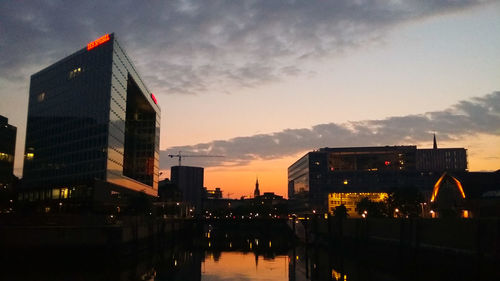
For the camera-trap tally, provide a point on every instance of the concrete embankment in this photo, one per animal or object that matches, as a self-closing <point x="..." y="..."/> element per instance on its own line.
<point x="91" y="234"/>
<point x="467" y="237"/>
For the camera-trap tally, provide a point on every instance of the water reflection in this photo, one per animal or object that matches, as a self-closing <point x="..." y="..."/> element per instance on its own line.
<point x="244" y="266"/>
<point x="245" y="255"/>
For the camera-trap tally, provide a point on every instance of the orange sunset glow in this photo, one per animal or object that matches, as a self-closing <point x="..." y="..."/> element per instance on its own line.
<point x="483" y="155"/>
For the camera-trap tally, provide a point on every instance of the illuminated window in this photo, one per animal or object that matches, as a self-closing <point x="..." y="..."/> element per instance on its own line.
<point x="4" y="156"/>
<point x="64" y="193"/>
<point x="41" y="97"/>
<point x="75" y="72"/>
<point x="55" y="193"/>
<point x="465" y="214"/>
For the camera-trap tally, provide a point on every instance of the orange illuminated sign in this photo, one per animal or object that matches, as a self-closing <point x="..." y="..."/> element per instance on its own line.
<point x="97" y="42"/>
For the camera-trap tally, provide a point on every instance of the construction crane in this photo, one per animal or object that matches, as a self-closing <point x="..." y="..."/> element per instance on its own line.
<point x="180" y="156"/>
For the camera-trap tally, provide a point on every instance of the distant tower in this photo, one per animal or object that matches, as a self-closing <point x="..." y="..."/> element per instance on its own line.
<point x="256" y="192"/>
<point x="435" y="146"/>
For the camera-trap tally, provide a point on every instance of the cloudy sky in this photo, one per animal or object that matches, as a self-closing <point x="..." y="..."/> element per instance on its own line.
<point x="263" y="82"/>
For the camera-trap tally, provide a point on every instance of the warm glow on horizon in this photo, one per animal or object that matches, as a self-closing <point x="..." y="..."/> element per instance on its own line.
<point x="240" y="181"/>
<point x="483" y="152"/>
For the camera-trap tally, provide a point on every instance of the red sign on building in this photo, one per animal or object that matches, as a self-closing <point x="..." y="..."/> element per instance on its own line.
<point x="97" y="42"/>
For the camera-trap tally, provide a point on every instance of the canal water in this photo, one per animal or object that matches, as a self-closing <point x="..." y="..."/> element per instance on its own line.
<point x="240" y="254"/>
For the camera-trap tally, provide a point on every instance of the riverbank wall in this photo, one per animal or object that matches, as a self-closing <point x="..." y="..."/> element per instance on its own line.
<point x="87" y="235"/>
<point x="464" y="237"/>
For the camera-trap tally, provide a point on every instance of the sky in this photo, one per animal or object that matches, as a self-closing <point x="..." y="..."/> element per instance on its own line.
<point x="264" y="82"/>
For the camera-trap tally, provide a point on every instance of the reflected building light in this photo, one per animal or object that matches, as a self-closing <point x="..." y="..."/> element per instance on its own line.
<point x="465" y="214"/>
<point x="335" y="275"/>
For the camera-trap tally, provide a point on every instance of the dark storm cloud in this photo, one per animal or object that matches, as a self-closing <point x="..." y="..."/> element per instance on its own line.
<point x="194" y="46"/>
<point x="479" y="115"/>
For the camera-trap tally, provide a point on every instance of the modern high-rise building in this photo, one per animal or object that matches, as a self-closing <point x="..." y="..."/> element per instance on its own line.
<point x="93" y="128"/>
<point x="7" y="151"/>
<point x="189" y="180"/>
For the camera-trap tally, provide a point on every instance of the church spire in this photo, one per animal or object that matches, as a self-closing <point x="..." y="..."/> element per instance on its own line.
<point x="256" y="192"/>
<point x="435" y="146"/>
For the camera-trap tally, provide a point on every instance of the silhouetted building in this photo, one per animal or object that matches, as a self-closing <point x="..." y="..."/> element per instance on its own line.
<point x="7" y="151"/>
<point x="93" y="128"/>
<point x="213" y="193"/>
<point x="368" y="169"/>
<point x="256" y="191"/>
<point x="189" y="180"/>
<point x="168" y="191"/>
<point x="442" y="159"/>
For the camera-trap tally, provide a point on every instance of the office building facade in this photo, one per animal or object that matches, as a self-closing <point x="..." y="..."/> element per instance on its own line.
<point x="442" y="159"/>
<point x="93" y="128"/>
<point x="7" y="151"/>
<point x="367" y="170"/>
<point x="189" y="180"/>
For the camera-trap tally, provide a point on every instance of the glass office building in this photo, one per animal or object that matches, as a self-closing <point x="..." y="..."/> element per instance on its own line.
<point x="93" y="128"/>
<point x="349" y="169"/>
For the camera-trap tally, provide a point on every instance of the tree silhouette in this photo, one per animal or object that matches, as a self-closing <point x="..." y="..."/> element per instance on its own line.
<point x="340" y="212"/>
<point x="407" y="200"/>
<point x="373" y="209"/>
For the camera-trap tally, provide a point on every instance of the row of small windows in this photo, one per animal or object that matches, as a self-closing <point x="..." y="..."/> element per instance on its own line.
<point x="60" y="166"/>
<point x="64" y="133"/>
<point x="67" y="145"/>
<point x="47" y="160"/>
<point x="55" y="194"/>
<point x="52" y="75"/>
<point x="345" y="202"/>
<point x="75" y="174"/>
<point x="85" y="105"/>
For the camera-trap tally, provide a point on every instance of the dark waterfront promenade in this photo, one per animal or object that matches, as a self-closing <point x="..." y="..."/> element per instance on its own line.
<point x="79" y="237"/>
<point x="221" y="250"/>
